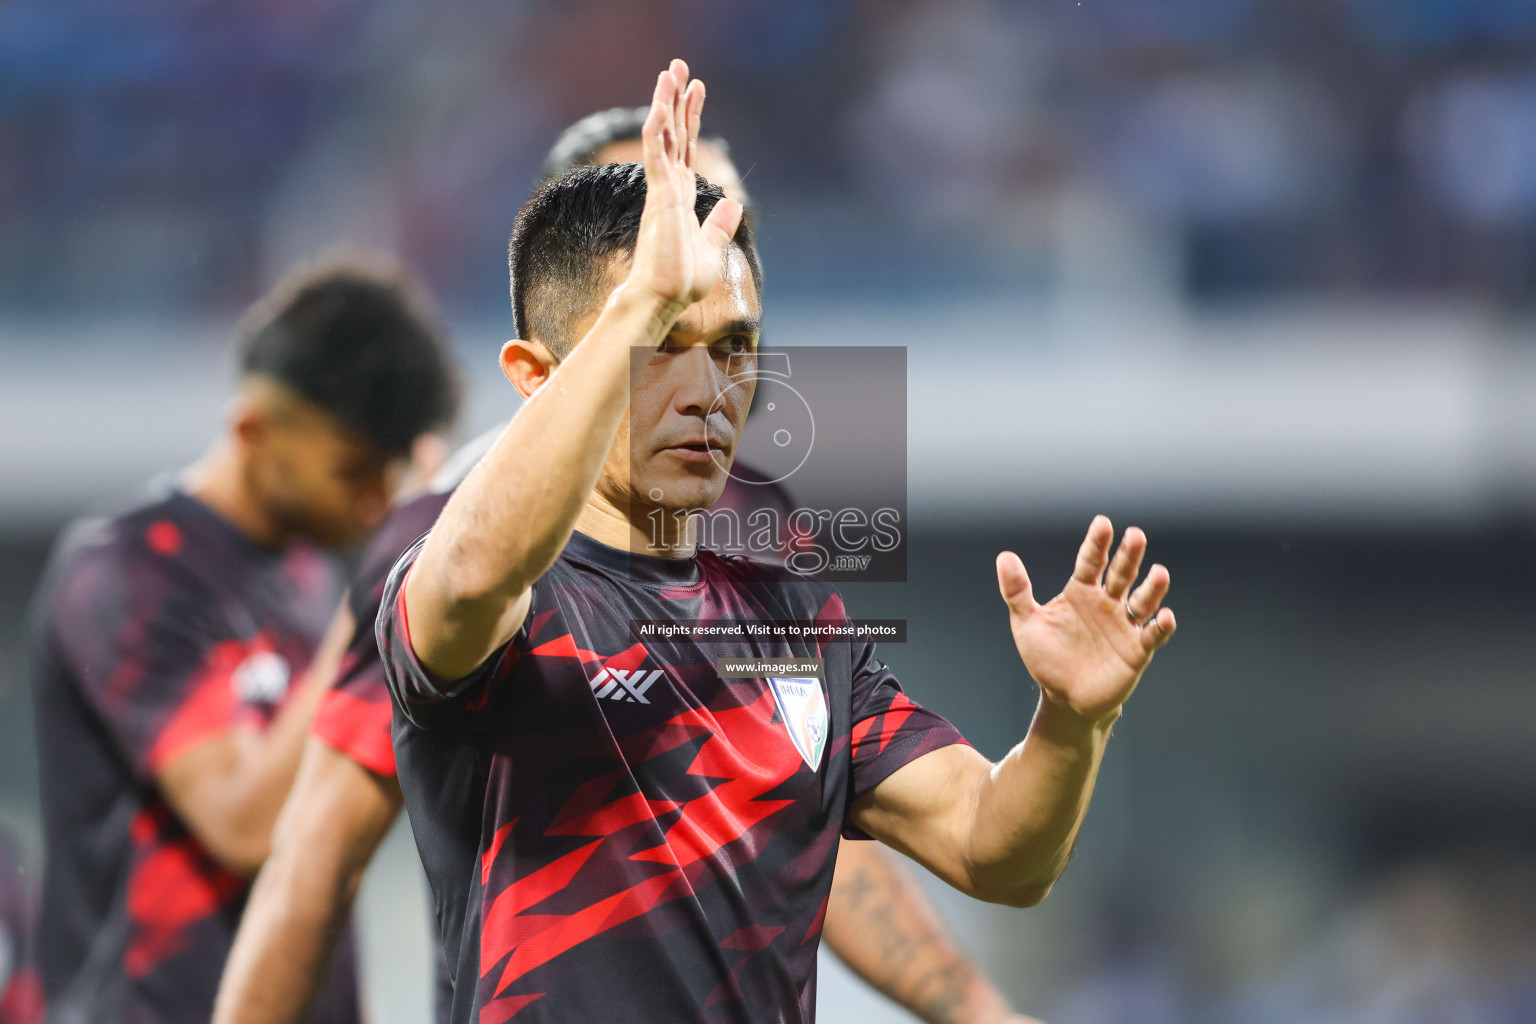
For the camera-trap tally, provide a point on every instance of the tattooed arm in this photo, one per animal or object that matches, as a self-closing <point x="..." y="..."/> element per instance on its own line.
<point x="880" y="923"/>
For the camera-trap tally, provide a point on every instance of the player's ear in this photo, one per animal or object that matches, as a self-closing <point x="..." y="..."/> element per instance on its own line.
<point x="527" y="364"/>
<point x="250" y="419"/>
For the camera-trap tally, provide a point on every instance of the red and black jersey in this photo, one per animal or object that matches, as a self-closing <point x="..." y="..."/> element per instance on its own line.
<point x="21" y="991"/>
<point x="354" y="715"/>
<point x="612" y="830"/>
<point x="156" y="630"/>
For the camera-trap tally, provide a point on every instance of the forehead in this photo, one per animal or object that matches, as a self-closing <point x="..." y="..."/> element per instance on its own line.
<point x="321" y="435"/>
<point x="735" y="298"/>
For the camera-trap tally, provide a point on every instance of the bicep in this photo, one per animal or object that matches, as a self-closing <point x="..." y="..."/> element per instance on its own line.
<point x="452" y="646"/>
<point x="447" y="639"/>
<point x="925" y="809"/>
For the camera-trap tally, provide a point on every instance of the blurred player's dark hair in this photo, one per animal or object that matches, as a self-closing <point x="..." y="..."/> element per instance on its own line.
<point x="582" y="141"/>
<point x="354" y="334"/>
<point x="565" y="235"/>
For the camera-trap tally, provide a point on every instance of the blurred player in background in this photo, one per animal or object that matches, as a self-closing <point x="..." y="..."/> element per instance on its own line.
<point x="178" y="651"/>
<point x="21" y="992"/>
<point x="346" y="797"/>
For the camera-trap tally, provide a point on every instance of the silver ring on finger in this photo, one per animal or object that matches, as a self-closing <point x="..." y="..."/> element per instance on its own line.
<point x="1130" y="614"/>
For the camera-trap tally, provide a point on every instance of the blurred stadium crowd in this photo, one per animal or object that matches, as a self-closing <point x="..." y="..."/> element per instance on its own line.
<point x="173" y="156"/>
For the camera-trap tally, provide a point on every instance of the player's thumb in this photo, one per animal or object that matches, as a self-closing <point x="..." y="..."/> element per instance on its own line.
<point x="1013" y="584"/>
<point x="721" y="224"/>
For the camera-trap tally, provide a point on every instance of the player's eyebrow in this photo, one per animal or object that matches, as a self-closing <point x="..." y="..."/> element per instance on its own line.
<point x="749" y="325"/>
<point x="743" y="325"/>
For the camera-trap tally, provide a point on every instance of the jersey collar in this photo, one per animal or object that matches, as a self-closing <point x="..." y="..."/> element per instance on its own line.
<point x="651" y="569"/>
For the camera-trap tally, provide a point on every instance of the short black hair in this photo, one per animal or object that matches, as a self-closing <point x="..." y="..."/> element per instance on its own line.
<point x="354" y="334"/>
<point x="582" y="141"/>
<point x="565" y="235"/>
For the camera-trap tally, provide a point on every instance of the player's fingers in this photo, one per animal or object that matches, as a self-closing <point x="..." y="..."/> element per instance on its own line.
<point x="1159" y="631"/>
<point x="695" y="114"/>
<point x="1126" y="564"/>
<point x="653" y="134"/>
<point x="1094" y="554"/>
<point x="1143" y="602"/>
<point x="1013" y="584"/>
<point x="720" y="226"/>
<point x="679" y="71"/>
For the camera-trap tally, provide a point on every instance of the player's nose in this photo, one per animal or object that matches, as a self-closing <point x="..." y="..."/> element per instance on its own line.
<point x="697" y="382"/>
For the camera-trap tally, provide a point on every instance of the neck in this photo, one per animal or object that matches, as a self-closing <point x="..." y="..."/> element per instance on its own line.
<point x="219" y="480"/>
<point x="640" y="530"/>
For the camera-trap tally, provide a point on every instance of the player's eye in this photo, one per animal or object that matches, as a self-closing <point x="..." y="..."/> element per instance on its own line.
<point x="734" y="345"/>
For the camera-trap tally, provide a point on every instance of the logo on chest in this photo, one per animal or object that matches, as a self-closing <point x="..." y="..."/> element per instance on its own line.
<point x="803" y="707"/>
<point x="621" y="684"/>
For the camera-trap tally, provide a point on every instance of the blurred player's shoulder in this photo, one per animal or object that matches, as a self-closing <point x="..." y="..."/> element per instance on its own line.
<point x="161" y="541"/>
<point x="462" y="461"/>
<point x="406" y="522"/>
<point x="415" y="516"/>
<point x="145" y="533"/>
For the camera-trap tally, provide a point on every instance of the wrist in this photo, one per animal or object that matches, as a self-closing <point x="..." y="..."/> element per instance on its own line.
<point x="1057" y="720"/>
<point x="985" y="1005"/>
<point x="634" y="298"/>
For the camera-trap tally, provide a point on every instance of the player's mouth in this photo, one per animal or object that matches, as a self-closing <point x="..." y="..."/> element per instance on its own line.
<point x="696" y="451"/>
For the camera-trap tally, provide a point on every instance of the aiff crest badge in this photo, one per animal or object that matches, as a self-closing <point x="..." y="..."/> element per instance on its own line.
<point x="803" y="707"/>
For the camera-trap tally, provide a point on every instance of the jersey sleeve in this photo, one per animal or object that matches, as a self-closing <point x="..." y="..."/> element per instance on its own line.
<point x="353" y="716"/>
<point x="149" y="655"/>
<point x="426" y="701"/>
<point x="889" y="729"/>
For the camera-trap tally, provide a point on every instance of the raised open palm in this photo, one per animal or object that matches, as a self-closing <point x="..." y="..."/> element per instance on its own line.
<point x="1088" y="645"/>
<point x="677" y="259"/>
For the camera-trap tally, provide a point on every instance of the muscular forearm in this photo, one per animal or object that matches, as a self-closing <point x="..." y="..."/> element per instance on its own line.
<point x="298" y="907"/>
<point x="257" y="790"/>
<point x="509" y="520"/>
<point x="880" y="923"/>
<point x="1030" y="806"/>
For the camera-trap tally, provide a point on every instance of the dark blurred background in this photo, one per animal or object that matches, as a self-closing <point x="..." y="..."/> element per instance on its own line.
<point x="1257" y="275"/>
